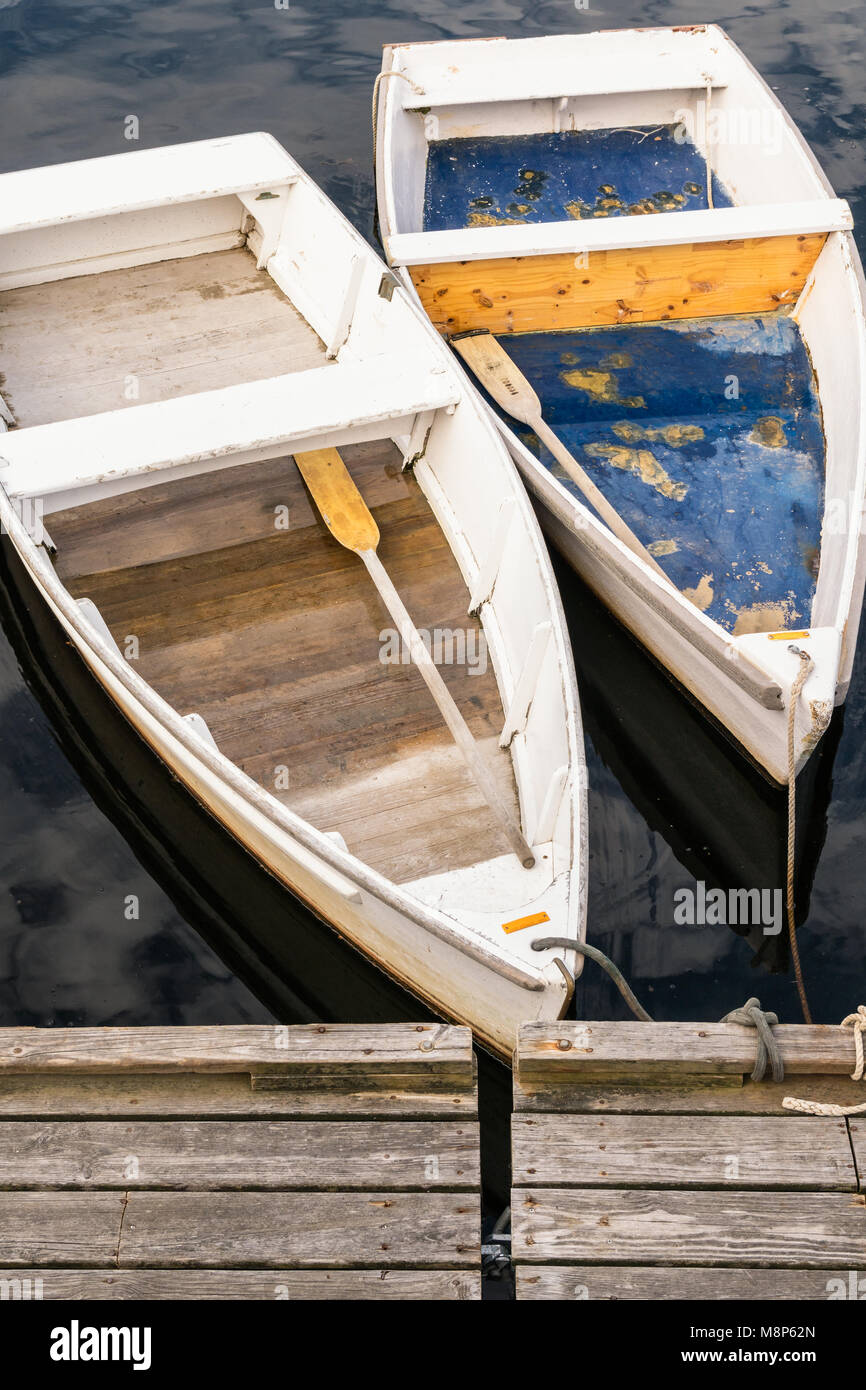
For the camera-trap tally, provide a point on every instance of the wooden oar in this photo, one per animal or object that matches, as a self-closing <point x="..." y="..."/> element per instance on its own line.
<point x="347" y="517"/>
<point x="501" y="379"/>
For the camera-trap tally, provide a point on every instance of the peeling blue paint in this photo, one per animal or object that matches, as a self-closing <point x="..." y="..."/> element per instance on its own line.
<point x="550" y="177"/>
<point x="706" y="436"/>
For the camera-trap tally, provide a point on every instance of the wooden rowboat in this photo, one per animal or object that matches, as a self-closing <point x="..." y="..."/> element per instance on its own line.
<point x="215" y="392"/>
<point x="633" y="223"/>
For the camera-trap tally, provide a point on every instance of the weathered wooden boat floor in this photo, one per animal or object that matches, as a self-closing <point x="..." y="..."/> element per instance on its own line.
<point x="150" y="333"/>
<point x="495" y="181"/>
<point x="706" y="435"/>
<point x="638" y="1178"/>
<point x="251" y="1162"/>
<point x="273" y="636"/>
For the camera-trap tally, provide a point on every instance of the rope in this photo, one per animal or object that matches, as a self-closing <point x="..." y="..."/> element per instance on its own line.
<point x="392" y="72"/>
<point x="857" y="1021"/>
<point x="562" y="943"/>
<point x="751" y="1015"/>
<point x="805" y="668"/>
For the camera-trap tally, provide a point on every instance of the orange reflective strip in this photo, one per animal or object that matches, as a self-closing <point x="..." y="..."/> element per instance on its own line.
<point x="520" y="922"/>
<point x="785" y="636"/>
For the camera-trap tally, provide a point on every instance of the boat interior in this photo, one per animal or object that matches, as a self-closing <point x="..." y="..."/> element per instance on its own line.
<point x="195" y="349"/>
<point x="697" y="379"/>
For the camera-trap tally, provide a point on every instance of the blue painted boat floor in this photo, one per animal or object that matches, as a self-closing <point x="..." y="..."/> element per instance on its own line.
<point x="504" y="180"/>
<point x="706" y="436"/>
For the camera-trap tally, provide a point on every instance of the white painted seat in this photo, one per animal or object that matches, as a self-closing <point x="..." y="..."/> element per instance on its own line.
<point x="626" y="233"/>
<point x="213" y="428"/>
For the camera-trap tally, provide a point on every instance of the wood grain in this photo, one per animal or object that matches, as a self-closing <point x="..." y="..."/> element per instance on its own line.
<point x="309" y="1229"/>
<point x="218" y="1096"/>
<point x="333" y="1285"/>
<point x="327" y="1051"/>
<point x="60" y="1228"/>
<point x="549" y="292"/>
<point x="682" y="1151"/>
<point x="647" y="1052"/>
<point x="277" y="645"/>
<point x="700" y="1095"/>
<point x="857" y="1127"/>
<point x="214" y="1154"/>
<point x="654" y="1284"/>
<point x="152" y="332"/>
<point x="800" y="1230"/>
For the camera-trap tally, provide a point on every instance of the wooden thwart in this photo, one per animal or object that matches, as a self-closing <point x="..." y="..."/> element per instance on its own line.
<point x="546" y="293"/>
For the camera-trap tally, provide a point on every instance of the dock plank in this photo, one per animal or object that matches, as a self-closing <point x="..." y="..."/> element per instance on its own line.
<point x="857" y="1129"/>
<point x="558" y="1225"/>
<point x="328" y="1051"/>
<point x="214" y="1154"/>
<point x="310" y="1229"/>
<point x="682" y="1151"/>
<point x="664" y="1284"/>
<point x="334" y="1285"/>
<point x="57" y="1228"/>
<point x="700" y="1095"/>
<point x="225" y="1096"/>
<point x="640" y="1052"/>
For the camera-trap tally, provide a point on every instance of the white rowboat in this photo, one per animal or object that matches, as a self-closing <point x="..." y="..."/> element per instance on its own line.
<point x="179" y="324"/>
<point x="635" y="218"/>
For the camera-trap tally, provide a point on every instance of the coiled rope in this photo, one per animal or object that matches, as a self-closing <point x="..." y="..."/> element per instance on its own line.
<point x="806" y="664"/>
<point x="857" y="1021"/>
<point x="751" y="1015"/>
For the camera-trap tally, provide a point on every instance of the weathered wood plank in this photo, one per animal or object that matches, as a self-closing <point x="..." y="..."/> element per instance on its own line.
<point x="64" y="1228"/>
<point x="309" y="1229"/>
<point x="857" y="1126"/>
<point x="339" y="1050"/>
<point x="241" y="1154"/>
<point x="646" y="1051"/>
<point x="682" y="1151"/>
<point x="656" y="1284"/>
<point x="548" y="292"/>
<point x="803" y="1230"/>
<point x="431" y="1285"/>
<point x="218" y="1096"/>
<point x="704" y="1097"/>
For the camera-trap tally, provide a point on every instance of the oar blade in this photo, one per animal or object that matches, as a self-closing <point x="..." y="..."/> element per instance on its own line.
<point x="490" y="363"/>
<point x="343" y="509"/>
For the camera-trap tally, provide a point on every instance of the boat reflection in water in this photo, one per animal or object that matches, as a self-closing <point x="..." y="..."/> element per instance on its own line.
<point x="673" y="806"/>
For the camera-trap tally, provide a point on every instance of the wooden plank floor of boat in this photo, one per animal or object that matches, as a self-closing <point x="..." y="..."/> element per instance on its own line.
<point x="149" y="333"/>
<point x="274" y="637"/>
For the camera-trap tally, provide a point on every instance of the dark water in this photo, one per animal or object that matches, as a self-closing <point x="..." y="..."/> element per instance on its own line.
<point x="667" y="801"/>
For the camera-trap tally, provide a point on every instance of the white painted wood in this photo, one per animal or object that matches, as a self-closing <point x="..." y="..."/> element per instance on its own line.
<point x="617" y="233"/>
<point x="394" y="377"/>
<point x="456" y="72"/>
<point x="124" y="183"/>
<point x="550" y="805"/>
<point x="417" y="441"/>
<point x="524" y="692"/>
<point x="256" y="416"/>
<point x="199" y="726"/>
<point x="488" y="571"/>
<point x="92" y="615"/>
<point x="347" y="312"/>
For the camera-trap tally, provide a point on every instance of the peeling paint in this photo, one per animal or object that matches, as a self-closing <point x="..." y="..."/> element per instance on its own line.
<point x="642" y="462"/>
<point x="677" y="436"/>
<point x="769" y="432"/>
<point x="764" y="617"/>
<point x="702" y="595"/>
<point x="663" y="548"/>
<point x="602" y="386"/>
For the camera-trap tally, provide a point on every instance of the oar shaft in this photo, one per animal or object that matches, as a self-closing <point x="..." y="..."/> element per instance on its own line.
<point x="448" y="709"/>
<point x="594" y="495"/>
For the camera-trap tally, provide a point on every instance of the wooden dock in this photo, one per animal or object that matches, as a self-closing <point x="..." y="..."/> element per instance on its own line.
<point x="647" y="1165"/>
<point x="323" y="1161"/>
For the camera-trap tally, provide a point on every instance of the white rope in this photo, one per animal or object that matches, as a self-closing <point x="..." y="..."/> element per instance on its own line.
<point x="857" y="1021"/>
